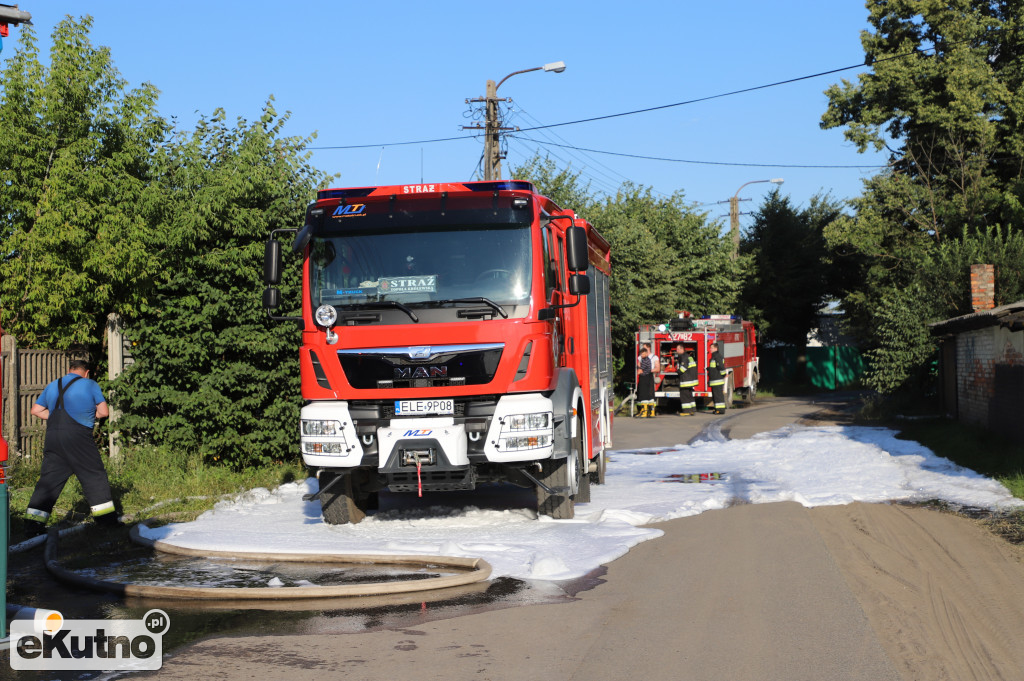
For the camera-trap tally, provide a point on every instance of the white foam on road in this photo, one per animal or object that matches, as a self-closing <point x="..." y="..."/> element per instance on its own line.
<point x="815" y="466"/>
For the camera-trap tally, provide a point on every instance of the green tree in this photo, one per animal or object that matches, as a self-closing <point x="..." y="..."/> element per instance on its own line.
<point x="78" y="201"/>
<point x="665" y="257"/>
<point x="789" y="277"/>
<point x="943" y="96"/>
<point x="213" y="374"/>
<point x="563" y="186"/>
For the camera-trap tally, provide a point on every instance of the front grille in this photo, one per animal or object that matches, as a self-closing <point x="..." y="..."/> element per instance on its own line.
<point x="369" y="370"/>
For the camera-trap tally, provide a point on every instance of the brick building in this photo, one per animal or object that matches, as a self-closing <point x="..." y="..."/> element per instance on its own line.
<point x="981" y="364"/>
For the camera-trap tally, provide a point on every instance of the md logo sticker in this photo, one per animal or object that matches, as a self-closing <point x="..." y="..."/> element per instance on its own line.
<point x="350" y="211"/>
<point x="54" y="643"/>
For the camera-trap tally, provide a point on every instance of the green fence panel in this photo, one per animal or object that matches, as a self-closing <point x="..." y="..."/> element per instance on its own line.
<point x="824" y="368"/>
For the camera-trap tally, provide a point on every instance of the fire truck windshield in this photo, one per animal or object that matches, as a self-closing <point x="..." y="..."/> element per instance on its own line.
<point x="415" y="268"/>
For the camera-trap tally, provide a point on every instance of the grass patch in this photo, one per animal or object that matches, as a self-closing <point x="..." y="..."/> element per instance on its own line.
<point x="976" y="448"/>
<point x="980" y="450"/>
<point x="147" y="482"/>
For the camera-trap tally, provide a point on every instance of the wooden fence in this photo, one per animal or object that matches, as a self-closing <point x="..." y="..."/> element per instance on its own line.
<point x="27" y="372"/>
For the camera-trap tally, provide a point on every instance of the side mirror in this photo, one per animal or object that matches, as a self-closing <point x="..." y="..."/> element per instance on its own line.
<point x="303" y="238"/>
<point x="271" y="298"/>
<point x="272" y="263"/>
<point x="579" y="284"/>
<point x="577" y="252"/>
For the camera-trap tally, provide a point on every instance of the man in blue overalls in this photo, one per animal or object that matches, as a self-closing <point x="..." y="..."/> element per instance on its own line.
<point x="70" y="406"/>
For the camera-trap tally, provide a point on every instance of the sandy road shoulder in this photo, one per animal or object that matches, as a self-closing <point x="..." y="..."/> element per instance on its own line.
<point x="944" y="596"/>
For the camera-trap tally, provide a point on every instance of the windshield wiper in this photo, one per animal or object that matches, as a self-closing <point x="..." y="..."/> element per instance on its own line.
<point x="455" y="301"/>
<point x="387" y="303"/>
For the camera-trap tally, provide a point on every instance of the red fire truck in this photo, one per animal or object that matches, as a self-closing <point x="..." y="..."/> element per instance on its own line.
<point x="452" y="334"/>
<point x="737" y="341"/>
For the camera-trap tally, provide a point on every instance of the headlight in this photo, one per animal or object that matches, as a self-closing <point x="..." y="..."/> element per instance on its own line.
<point x="321" y="427"/>
<point x="524" y="442"/>
<point x="326" y="315"/>
<point x="525" y="431"/>
<point x="541" y="421"/>
<point x="323" y="448"/>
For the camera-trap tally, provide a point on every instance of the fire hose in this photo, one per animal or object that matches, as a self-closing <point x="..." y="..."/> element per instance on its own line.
<point x="468" y="571"/>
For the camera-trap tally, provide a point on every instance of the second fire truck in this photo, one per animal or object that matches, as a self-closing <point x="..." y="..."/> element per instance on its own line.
<point x="737" y="341"/>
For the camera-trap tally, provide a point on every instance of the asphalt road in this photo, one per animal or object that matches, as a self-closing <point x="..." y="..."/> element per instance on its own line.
<point x="773" y="592"/>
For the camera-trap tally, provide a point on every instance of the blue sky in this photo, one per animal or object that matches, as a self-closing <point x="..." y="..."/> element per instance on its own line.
<point x="389" y="72"/>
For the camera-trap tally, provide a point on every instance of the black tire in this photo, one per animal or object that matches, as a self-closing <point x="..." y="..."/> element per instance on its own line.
<point x="583" y="495"/>
<point x="752" y="390"/>
<point x="566" y="472"/>
<point x="342" y="504"/>
<point x="598" y="476"/>
<point x="729" y="391"/>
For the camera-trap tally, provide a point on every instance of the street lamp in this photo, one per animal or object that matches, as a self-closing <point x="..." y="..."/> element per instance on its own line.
<point x="492" y="134"/>
<point x="734" y="214"/>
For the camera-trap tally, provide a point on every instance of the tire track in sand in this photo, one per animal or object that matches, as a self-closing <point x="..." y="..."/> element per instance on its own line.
<point x="945" y="598"/>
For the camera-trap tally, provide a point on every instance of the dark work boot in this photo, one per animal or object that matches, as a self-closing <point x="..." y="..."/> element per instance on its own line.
<point x="107" y="520"/>
<point x="34" y="528"/>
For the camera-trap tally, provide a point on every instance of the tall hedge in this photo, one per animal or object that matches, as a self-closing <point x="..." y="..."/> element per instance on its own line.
<point x="212" y="373"/>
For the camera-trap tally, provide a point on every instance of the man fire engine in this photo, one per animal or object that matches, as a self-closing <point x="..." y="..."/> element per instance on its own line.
<point x="452" y="334"/>
<point x="737" y="341"/>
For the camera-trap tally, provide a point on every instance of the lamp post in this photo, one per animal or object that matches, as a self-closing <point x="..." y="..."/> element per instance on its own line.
<point x="734" y="214"/>
<point x="492" y="131"/>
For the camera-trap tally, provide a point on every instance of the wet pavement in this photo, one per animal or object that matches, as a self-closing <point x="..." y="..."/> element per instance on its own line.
<point x="29" y="584"/>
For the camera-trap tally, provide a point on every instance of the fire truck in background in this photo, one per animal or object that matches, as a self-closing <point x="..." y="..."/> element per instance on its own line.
<point x="452" y="334"/>
<point x="737" y="341"/>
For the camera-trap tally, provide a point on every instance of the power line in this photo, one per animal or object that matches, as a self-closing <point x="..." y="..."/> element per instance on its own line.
<point x="647" y="110"/>
<point x="397" y="144"/>
<point x="586" y="165"/>
<point x="590" y="162"/>
<point x="691" y="161"/>
<point x="697" y="100"/>
<point x="869" y="62"/>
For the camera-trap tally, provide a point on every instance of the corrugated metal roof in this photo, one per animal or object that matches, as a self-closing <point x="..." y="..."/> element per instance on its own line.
<point x="1010" y="315"/>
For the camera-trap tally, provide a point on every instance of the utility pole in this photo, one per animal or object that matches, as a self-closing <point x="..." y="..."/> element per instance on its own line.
<point x="492" y="137"/>
<point x="734" y="214"/>
<point x="492" y="131"/>
<point x="492" y="120"/>
<point x="734" y="224"/>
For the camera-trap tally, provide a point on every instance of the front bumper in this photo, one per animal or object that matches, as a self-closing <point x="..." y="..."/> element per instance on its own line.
<point x="342" y="434"/>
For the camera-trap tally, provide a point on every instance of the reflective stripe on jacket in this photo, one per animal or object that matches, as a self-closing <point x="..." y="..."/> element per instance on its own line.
<point x="689" y="376"/>
<point x="716" y="372"/>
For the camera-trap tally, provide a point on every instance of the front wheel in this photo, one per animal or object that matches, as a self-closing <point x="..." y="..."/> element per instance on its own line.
<point x="564" y="476"/>
<point x="579" y="451"/>
<point x="343" y="503"/>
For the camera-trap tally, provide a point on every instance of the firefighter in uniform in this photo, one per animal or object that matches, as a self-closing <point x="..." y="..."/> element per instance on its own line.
<point x="70" y="406"/>
<point x="687" y="369"/>
<point x="716" y="378"/>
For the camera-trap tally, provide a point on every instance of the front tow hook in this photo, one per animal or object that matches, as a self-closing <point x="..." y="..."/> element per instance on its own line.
<point x="316" y="496"/>
<point x="553" y="491"/>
